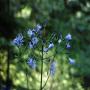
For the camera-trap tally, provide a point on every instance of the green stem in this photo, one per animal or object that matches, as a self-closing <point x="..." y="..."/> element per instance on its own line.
<point x="46" y="82"/>
<point x="41" y="68"/>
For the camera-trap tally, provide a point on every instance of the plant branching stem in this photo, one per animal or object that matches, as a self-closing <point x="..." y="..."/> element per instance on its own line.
<point x="46" y="82"/>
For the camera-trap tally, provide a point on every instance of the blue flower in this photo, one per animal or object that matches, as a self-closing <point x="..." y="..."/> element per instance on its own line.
<point x="68" y="46"/>
<point x="34" y="40"/>
<point x="52" y="68"/>
<point x="68" y="37"/>
<point x="51" y="45"/>
<point x="32" y="63"/>
<point x="45" y="49"/>
<point x="30" y="33"/>
<point x="71" y="61"/>
<point x="18" y="41"/>
<point x="38" y="28"/>
<point x="30" y="45"/>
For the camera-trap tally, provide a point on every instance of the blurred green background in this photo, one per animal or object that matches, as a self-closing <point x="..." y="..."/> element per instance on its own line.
<point x="66" y="16"/>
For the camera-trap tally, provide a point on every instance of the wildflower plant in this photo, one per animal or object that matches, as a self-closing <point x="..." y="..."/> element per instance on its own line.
<point x="36" y="40"/>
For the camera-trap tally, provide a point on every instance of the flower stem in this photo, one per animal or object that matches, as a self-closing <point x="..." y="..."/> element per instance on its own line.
<point x="41" y="69"/>
<point x="46" y="82"/>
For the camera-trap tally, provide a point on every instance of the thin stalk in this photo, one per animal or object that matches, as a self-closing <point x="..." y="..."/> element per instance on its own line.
<point x="41" y="69"/>
<point x="46" y="82"/>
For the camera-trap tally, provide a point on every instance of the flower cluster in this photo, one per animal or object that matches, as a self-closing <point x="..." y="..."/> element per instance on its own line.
<point x="32" y="34"/>
<point x="34" y="38"/>
<point x="18" y="41"/>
